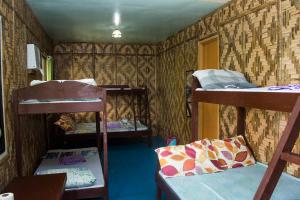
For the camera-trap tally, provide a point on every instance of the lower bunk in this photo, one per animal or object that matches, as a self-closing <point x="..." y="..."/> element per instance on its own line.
<point x="76" y="132"/>
<point x="232" y="184"/>
<point x="83" y="168"/>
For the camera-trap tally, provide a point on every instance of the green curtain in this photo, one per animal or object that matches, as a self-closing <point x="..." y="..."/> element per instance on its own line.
<point x="49" y="68"/>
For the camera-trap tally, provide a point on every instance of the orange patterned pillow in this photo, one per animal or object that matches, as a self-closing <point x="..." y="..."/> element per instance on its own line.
<point x="67" y="123"/>
<point x="187" y="160"/>
<point x="233" y="152"/>
<point x="205" y="156"/>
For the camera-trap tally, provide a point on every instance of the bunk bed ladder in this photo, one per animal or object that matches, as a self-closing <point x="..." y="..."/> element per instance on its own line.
<point x="282" y="155"/>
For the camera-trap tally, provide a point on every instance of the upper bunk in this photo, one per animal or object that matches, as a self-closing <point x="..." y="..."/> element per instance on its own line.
<point x="260" y="98"/>
<point x="59" y="97"/>
<point x="124" y="90"/>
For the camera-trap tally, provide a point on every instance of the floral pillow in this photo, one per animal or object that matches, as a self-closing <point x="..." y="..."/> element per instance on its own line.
<point x="187" y="160"/>
<point x="67" y="123"/>
<point x="233" y="152"/>
<point x="205" y="156"/>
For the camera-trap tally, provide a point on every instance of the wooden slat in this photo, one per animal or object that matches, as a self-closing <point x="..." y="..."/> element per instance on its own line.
<point x="291" y="157"/>
<point x="60" y="107"/>
<point x="57" y="90"/>
<point x="262" y="100"/>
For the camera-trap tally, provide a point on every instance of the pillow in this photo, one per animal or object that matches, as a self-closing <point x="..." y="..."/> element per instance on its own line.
<point x="67" y="123"/>
<point x="89" y="81"/>
<point x="76" y="177"/>
<point x="175" y="162"/>
<point x="218" y="79"/>
<point x="205" y="156"/>
<point x="187" y="160"/>
<point x="233" y="152"/>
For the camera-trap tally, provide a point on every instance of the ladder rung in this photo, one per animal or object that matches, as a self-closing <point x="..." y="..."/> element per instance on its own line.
<point x="291" y="157"/>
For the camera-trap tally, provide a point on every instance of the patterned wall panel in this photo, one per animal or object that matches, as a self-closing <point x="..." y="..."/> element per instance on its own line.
<point x="290" y="71"/>
<point x="85" y="48"/>
<point x="104" y="48"/>
<point x="231" y="45"/>
<point x="127" y="70"/>
<point x="209" y="25"/>
<point x="82" y="66"/>
<point x="108" y="64"/>
<point x="63" y="66"/>
<point x="105" y="69"/>
<point x="63" y="48"/>
<point x="20" y="28"/>
<point x="261" y="46"/>
<point x="250" y="34"/>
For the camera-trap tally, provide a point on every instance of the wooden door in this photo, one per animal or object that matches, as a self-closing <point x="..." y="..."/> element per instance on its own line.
<point x="208" y="113"/>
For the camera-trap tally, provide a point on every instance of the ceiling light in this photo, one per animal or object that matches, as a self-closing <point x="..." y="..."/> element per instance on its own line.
<point x="116" y="34"/>
<point x="117" y="18"/>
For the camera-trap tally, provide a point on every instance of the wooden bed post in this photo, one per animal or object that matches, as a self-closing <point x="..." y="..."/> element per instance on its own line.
<point x="105" y="148"/>
<point x="195" y="114"/>
<point x="281" y="156"/>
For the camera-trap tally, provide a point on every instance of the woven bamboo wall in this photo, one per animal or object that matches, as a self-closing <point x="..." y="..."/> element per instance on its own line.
<point x="134" y="65"/>
<point x="19" y="28"/>
<point x="259" y="38"/>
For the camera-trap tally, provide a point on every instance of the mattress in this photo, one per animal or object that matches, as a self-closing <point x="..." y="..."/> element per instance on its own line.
<point x="46" y="101"/>
<point x="261" y="89"/>
<point x="232" y="184"/>
<point x="83" y="128"/>
<point x="51" y="161"/>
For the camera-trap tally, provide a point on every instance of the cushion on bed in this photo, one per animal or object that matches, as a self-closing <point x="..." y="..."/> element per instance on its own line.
<point x="67" y="123"/>
<point x="233" y="152"/>
<point x="187" y="160"/>
<point x="215" y="79"/>
<point x="76" y="177"/>
<point x="89" y="81"/>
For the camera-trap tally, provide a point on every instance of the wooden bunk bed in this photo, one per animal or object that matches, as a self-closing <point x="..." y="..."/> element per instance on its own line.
<point x="139" y="127"/>
<point x="288" y="101"/>
<point x="67" y="97"/>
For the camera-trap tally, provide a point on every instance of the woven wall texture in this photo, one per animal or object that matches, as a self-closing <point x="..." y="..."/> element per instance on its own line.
<point x="259" y="38"/>
<point x="19" y="28"/>
<point x="116" y="64"/>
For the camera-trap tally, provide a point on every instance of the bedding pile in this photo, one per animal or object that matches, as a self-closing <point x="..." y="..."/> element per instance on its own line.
<point x="69" y="125"/>
<point x="217" y="79"/>
<point x="204" y="157"/>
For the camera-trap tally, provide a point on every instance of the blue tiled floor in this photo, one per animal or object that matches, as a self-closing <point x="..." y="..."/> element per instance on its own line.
<point x="132" y="166"/>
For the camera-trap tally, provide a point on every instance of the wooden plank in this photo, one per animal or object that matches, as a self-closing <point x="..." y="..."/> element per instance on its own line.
<point x="262" y="100"/>
<point x="46" y="187"/>
<point x="59" y="107"/>
<point x="291" y="157"/>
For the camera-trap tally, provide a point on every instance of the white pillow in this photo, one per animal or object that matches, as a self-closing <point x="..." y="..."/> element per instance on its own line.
<point x="220" y="79"/>
<point x="89" y="81"/>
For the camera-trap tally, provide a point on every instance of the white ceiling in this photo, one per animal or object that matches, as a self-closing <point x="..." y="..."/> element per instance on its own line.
<point x="142" y="21"/>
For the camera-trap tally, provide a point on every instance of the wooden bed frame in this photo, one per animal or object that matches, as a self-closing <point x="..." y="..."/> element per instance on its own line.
<point x="277" y="101"/>
<point x="139" y="94"/>
<point x="65" y="90"/>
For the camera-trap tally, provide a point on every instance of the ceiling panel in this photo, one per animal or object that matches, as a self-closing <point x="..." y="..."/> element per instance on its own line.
<point x="142" y="21"/>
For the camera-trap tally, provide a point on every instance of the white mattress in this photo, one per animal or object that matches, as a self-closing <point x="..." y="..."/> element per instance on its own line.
<point x="92" y="163"/>
<point x="83" y="128"/>
<point x="46" y="101"/>
<point x="261" y="89"/>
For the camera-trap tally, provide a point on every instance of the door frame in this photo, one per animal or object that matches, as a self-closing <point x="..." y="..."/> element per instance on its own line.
<point x="200" y="65"/>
